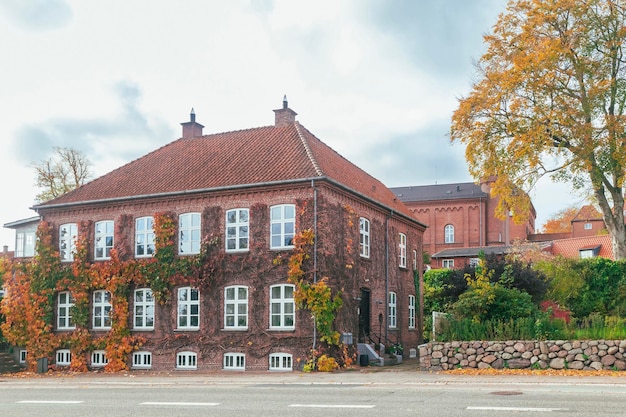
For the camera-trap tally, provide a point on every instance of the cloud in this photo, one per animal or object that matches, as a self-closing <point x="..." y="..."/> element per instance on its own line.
<point x="417" y="158"/>
<point x="438" y="36"/>
<point x="37" y="15"/>
<point x="123" y="137"/>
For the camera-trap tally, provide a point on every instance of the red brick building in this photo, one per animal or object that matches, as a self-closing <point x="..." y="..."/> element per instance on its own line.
<point x="250" y="190"/>
<point x="461" y="222"/>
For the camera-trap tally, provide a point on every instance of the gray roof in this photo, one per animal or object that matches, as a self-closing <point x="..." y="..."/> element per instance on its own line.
<point x="22" y="222"/>
<point x="471" y="252"/>
<point x="461" y="190"/>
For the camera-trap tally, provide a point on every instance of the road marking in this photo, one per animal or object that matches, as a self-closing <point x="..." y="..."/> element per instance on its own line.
<point x="48" y="402"/>
<point x="177" y="403"/>
<point x="517" y="409"/>
<point x="331" y="406"/>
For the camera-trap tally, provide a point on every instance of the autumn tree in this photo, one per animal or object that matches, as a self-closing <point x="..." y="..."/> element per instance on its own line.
<point x="561" y="221"/>
<point x="550" y="101"/>
<point x="66" y="170"/>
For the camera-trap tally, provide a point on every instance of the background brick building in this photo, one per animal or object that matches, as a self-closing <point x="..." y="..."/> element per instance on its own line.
<point x="461" y="222"/>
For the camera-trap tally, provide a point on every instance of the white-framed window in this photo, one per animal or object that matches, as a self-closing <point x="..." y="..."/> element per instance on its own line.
<point x="281" y="362"/>
<point x="67" y="241"/>
<point x="586" y="253"/>
<point x="235" y="361"/>
<point x="473" y="262"/>
<point x="448" y="232"/>
<point x="144" y="237"/>
<point x="447" y="263"/>
<point x="63" y="357"/>
<point x="103" y="239"/>
<point x="65" y="307"/>
<point x="189" y="234"/>
<point x="24" y="244"/>
<point x="393" y="309"/>
<point x="402" y="250"/>
<point x="19" y="244"/>
<point x="236" y="307"/>
<point x="237" y="230"/>
<point x="143" y="309"/>
<point x="188" y="308"/>
<point x="23" y="356"/>
<point x="411" y="311"/>
<point x="282" y="307"/>
<point x="282" y="226"/>
<point x="186" y="360"/>
<point x="101" y="310"/>
<point x="364" y="237"/>
<point x="142" y="360"/>
<point x="588" y="226"/>
<point x="99" y="358"/>
<point x="414" y="260"/>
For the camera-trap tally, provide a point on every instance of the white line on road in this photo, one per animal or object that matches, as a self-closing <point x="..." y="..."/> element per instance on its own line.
<point x="178" y="403"/>
<point x="48" y="402"/>
<point x="331" y="406"/>
<point x="517" y="409"/>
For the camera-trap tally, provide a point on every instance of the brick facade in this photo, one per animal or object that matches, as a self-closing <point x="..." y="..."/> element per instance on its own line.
<point x="277" y="165"/>
<point x="470" y="210"/>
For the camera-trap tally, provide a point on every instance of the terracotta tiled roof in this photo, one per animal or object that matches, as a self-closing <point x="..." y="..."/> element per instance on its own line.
<point x="586" y="213"/>
<point x="245" y="157"/>
<point x="570" y="248"/>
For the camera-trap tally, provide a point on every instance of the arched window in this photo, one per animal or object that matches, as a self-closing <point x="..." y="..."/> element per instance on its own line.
<point x="448" y="233"/>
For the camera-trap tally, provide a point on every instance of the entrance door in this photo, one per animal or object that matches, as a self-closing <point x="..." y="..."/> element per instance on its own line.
<point x="364" y="316"/>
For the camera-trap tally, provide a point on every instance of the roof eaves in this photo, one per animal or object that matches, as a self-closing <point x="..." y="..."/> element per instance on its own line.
<point x="171" y="194"/>
<point x="378" y="203"/>
<point x="21" y="222"/>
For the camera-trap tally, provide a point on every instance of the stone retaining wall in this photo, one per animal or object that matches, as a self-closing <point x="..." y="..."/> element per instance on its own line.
<point x="523" y="354"/>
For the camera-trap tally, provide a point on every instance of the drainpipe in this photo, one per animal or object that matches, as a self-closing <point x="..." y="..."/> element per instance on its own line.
<point x="314" y="253"/>
<point x="387" y="275"/>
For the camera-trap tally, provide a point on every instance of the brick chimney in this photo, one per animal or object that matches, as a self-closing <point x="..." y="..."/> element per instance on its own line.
<point x="285" y="116"/>
<point x="192" y="129"/>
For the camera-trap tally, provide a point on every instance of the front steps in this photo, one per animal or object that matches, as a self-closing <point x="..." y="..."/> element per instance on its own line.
<point x="8" y="364"/>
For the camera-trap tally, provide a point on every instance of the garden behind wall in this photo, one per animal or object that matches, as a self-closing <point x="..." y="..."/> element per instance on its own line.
<point x="524" y="354"/>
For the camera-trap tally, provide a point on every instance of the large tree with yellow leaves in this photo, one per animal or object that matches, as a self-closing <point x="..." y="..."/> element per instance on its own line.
<point x="550" y="99"/>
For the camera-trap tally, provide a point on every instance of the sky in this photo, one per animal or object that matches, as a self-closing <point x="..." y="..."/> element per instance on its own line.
<point x="377" y="80"/>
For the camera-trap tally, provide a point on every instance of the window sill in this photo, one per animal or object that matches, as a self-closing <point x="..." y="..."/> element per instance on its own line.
<point x="147" y="329"/>
<point x="281" y="329"/>
<point x="234" y="329"/>
<point x="184" y="329"/>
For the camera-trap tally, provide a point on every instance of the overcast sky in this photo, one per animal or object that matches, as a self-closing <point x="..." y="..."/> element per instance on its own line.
<point x="377" y="80"/>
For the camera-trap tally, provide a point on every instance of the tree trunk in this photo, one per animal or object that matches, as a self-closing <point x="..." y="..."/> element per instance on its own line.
<point x="614" y="220"/>
<point x="618" y="238"/>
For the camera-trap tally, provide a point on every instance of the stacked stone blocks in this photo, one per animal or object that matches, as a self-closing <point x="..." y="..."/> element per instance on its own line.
<point x="520" y="354"/>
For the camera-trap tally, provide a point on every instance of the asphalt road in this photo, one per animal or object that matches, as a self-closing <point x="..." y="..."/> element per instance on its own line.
<point x="364" y="392"/>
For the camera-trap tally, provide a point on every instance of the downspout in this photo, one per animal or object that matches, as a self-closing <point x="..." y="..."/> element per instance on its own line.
<point x="387" y="276"/>
<point x="480" y="220"/>
<point x="314" y="253"/>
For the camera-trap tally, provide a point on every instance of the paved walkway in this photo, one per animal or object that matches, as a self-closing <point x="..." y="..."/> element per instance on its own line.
<point x="406" y="373"/>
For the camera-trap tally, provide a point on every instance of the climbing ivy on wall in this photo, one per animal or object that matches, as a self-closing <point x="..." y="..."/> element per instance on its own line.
<point x="32" y="288"/>
<point x="314" y="296"/>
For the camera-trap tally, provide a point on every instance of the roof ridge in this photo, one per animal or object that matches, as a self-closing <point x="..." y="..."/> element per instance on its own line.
<point x="308" y="150"/>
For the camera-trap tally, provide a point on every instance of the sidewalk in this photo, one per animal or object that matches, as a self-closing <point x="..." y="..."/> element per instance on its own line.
<point x="406" y="373"/>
